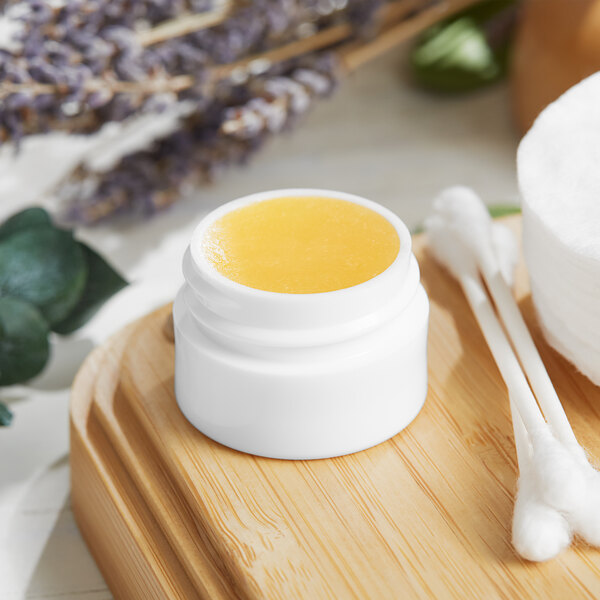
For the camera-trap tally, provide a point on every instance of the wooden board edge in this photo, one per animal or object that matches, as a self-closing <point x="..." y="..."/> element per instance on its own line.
<point x="119" y="532"/>
<point x="150" y="476"/>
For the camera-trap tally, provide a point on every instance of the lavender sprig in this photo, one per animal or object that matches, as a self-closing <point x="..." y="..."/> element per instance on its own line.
<point x="78" y="64"/>
<point x="227" y="132"/>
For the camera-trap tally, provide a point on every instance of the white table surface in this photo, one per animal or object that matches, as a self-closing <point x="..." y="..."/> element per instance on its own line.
<point x="378" y="137"/>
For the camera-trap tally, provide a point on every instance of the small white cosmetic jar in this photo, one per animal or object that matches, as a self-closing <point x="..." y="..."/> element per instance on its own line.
<point x="300" y="376"/>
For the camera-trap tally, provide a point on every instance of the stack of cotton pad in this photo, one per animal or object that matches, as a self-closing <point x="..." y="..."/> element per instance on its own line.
<point x="559" y="176"/>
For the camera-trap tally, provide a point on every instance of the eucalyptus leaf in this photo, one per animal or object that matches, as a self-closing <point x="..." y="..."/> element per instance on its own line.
<point x="30" y="218"/>
<point x="6" y="415"/>
<point x="467" y="51"/>
<point x="24" y="347"/>
<point x="456" y="59"/>
<point x="43" y="266"/>
<point x="102" y="282"/>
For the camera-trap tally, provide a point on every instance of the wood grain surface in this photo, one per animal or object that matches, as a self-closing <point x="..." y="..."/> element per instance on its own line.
<point x="168" y="513"/>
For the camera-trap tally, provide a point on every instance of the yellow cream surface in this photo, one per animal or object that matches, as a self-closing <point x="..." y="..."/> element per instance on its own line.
<point x="301" y="245"/>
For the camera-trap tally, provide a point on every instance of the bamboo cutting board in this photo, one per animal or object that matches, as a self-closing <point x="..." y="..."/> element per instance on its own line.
<point x="168" y="513"/>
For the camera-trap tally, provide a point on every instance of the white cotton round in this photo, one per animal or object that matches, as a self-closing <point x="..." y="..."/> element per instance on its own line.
<point x="558" y="178"/>
<point x="584" y="355"/>
<point x="560" y="186"/>
<point x="573" y="298"/>
<point x="539" y="532"/>
<point x="560" y="477"/>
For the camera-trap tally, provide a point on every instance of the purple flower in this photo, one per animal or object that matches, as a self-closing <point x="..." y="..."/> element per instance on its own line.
<point x="225" y="133"/>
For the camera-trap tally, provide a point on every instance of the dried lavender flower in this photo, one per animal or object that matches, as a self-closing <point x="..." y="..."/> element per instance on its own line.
<point x="77" y="64"/>
<point x="227" y="132"/>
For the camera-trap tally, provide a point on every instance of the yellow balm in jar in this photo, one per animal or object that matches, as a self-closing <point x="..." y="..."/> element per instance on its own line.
<point x="301" y="329"/>
<point x="301" y="244"/>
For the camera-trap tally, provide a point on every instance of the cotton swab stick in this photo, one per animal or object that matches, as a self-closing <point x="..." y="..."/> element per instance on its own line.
<point x="554" y="466"/>
<point x="539" y="532"/>
<point x="452" y="253"/>
<point x="470" y="219"/>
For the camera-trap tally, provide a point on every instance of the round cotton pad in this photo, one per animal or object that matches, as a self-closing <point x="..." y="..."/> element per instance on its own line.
<point x="558" y="169"/>
<point x="582" y="354"/>
<point x="559" y="179"/>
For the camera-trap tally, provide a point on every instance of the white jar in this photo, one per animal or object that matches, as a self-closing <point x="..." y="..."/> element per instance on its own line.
<point x="300" y="376"/>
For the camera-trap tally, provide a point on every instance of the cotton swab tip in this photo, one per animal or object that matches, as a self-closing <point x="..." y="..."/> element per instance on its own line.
<point x="464" y="211"/>
<point x="585" y="518"/>
<point x="539" y="532"/>
<point x="459" y="203"/>
<point x="561" y="478"/>
<point x="506" y="249"/>
<point x="447" y="249"/>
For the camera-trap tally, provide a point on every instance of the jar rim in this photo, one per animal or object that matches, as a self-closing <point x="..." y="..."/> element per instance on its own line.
<point x="208" y="271"/>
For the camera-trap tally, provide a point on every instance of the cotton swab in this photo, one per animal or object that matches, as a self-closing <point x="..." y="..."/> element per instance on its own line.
<point x="466" y="210"/>
<point x="465" y="214"/>
<point x="554" y="467"/>
<point x="585" y="520"/>
<point x="539" y="532"/>
<point x="469" y="218"/>
<point x="507" y="251"/>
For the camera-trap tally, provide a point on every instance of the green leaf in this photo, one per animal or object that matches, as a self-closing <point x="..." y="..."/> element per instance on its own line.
<point x="30" y="218"/>
<point x="458" y="54"/>
<point x="496" y="211"/>
<point x="503" y="210"/>
<point x="43" y="266"/>
<point x="456" y="59"/>
<point x="102" y="282"/>
<point x="6" y="416"/>
<point x="24" y="347"/>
